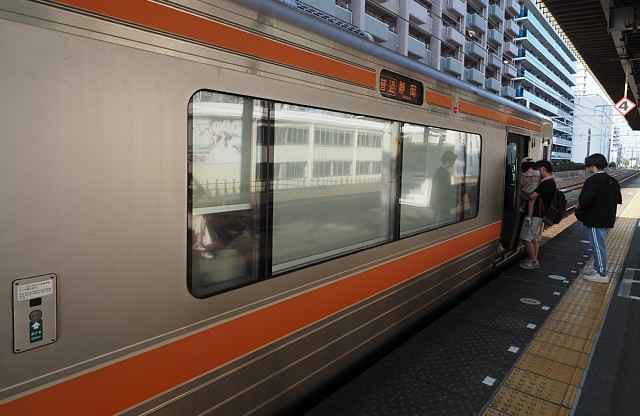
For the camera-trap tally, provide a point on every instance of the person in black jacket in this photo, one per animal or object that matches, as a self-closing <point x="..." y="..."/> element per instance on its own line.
<point x="598" y="199"/>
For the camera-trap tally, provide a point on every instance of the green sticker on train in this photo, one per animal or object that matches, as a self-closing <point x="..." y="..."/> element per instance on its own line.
<point x="35" y="331"/>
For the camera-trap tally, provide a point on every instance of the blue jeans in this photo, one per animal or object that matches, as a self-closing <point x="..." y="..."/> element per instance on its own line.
<point x="596" y="238"/>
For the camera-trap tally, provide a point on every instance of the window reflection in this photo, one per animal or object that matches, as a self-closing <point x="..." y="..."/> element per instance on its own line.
<point x="332" y="191"/>
<point x="275" y="186"/>
<point x="440" y="170"/>
<point x="223" y="216"/>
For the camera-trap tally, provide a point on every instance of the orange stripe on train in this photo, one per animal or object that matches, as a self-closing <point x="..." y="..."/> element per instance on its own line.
<point x="476" y="110"/>
<point x="177" y="22"/>
<point x="125" y="383"/>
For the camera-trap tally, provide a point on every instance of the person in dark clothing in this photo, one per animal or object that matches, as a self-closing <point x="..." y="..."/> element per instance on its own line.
<point x="531" y="231"/>
<point x="598" y="199"/>
<point x="443" y="193"/>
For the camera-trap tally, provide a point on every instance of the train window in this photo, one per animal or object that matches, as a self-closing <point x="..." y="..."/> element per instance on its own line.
<point x="224" y="220"/>
<point x="336" y="195"/>
<point x="440" y="175"/>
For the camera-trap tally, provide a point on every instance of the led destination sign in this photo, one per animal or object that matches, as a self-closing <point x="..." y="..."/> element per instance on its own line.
<point x="401" y="88"/>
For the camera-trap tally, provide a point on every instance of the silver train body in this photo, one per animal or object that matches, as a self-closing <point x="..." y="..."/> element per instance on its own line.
<point x="101" y="312"/>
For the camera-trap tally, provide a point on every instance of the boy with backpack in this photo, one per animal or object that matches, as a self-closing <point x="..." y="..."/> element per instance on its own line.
<point x="531" y="232"/>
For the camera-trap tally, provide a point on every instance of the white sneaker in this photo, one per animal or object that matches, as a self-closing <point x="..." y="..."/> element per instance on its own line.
<point x="528" y="264"/>
<point x="597" y="278"/>
<point x="589" y="271"/>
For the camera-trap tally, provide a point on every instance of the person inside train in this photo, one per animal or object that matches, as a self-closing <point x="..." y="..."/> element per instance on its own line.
<point x="529" y="180"/>
<point x="443" y="191"/>
<point x="531" y="232"/>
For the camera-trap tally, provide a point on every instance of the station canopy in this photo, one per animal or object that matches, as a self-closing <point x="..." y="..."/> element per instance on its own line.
<point x="605" y="33"/>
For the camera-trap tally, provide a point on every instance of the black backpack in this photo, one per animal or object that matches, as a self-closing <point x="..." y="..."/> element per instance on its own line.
<point x="556" y="210"/>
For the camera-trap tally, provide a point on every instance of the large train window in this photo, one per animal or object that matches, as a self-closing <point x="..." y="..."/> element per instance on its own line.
<point x="331" y="187"/>
<point x="274" y="186"/>
<point x="224" y="193"/>
<point x="440" y="174"/>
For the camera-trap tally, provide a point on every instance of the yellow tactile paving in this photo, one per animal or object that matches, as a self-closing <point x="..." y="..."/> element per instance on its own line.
<point x="564" y="340"/>
<point x="554" y="370"/>
<point x="546" y="379"/>
<point x="568" y="328"/>
<point x="515" y="403"/>
<point x="589" y="310"/>
<point x="558" y="353"/>
<point x="541" y="387"/>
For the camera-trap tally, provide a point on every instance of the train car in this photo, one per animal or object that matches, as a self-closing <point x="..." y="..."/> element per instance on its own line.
<point x="214" y="207"/>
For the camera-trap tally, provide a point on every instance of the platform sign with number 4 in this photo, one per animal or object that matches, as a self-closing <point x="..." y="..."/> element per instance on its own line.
<point x="624" y="106"/>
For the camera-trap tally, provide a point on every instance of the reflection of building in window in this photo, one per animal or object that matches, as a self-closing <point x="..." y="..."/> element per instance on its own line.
<point x="331" y="168"/>
<point x="328" y="137"/>
<point x="289" y="170"/>
<point x="366" y="139"/>
<point x="292" y="135"/>
<point x="368" y="167"/>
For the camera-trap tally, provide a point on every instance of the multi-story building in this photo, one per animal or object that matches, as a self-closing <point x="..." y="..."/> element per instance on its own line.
<point x="473" y="40"/>
<point x="508" y="47"/>
<point x="545" y="79"/>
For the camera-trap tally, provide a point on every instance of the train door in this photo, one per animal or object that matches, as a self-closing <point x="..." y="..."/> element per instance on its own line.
<point x="511" y="218"/>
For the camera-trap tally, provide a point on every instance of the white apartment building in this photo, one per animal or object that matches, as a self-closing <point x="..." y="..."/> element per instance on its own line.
<point x="508" y="47"/>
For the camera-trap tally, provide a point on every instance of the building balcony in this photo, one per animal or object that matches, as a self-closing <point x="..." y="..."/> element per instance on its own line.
<point x="511" y="7"/>
<point x="480" y="3"/>
<point x="495" y="37"/>
<point x="476" y="50"/>
<point x="476" y="23"/>
<point x="427" y="27"/>
<point x="392" y="41"/>
<point x="562" y="142"/>
<point x="417" y="48"/>
<point x="418" y="12"/>
<point x="451" y="65"/>
<point x="496" y="14"/>
<point x="492" y="84"/>
<point x="379" y="30"/>
<point x="511" y="28"/>
<point x="427" y="58"/>
<point x="510" y="49"/>
<point x="451" y="35"/>
<point x="509" y="71"/>
<point x="474" y="76"/>
<point x="494" y="61"/>
<point x="564" y="128"/>
<point x="321" y="5"/>
<point x="560" y="155"/>
<point x="457" y="7"/>
<point x="508" y="92"/>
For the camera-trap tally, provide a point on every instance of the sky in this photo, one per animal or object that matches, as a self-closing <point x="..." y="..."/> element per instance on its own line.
<point x="630" y="139"/>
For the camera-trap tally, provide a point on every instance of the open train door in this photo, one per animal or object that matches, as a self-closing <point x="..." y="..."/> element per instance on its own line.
<point x="511" y="218"/>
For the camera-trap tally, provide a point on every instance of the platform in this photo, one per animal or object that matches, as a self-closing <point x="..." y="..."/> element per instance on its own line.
<point x="531" y="342"/>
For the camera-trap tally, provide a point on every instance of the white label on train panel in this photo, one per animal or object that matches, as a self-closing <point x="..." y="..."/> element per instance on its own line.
<point x="34" y="290"/>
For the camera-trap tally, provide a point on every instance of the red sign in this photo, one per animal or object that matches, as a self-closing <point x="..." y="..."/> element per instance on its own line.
<point x="624" y="106"/>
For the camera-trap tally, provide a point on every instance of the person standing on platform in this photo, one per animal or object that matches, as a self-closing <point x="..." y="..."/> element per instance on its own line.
<point x="531" y="231"/>
<point x="598" y="201"/>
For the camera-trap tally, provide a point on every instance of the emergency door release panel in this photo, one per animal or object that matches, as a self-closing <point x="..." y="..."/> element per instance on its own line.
<point x="34" y="312"/>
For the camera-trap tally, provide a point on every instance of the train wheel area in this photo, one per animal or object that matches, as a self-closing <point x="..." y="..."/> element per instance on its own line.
<point x="543" y="342"/>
